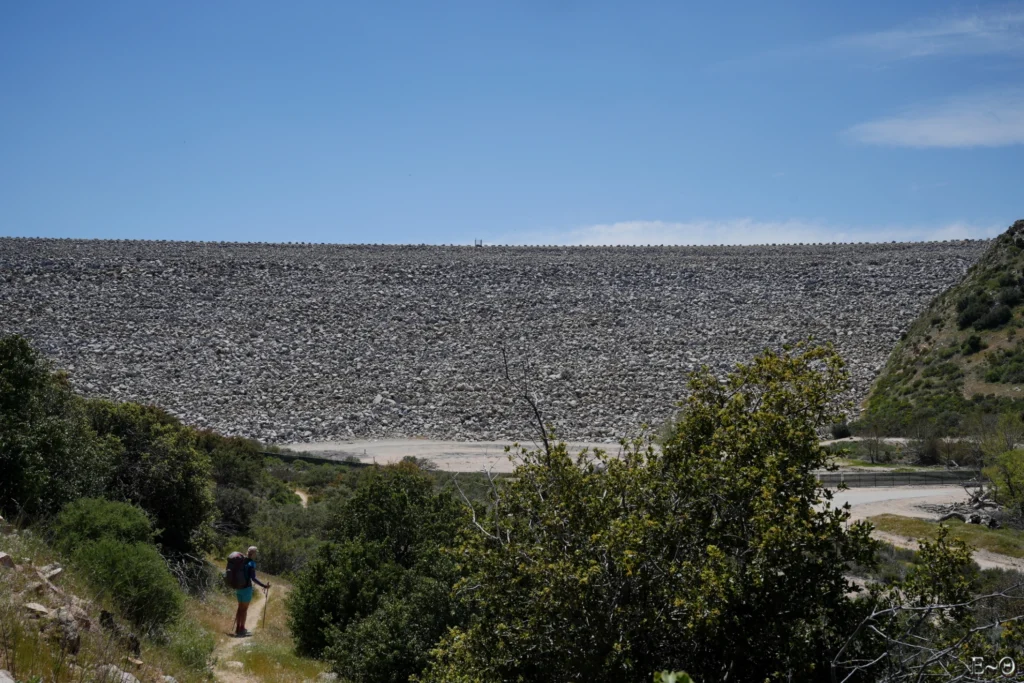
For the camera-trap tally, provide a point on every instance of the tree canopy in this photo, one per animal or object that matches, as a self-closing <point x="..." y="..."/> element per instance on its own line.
<point x="718" y="554"/>
<point x="49" y="453"/>
<point x="377" y="597"/>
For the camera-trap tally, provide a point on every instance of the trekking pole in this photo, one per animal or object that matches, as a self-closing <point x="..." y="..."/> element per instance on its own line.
<point x="266" y="599"/>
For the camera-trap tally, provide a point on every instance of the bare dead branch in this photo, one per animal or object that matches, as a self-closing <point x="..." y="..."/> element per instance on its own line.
<point x="912" y="656"/>
<point x="524" y="393"/>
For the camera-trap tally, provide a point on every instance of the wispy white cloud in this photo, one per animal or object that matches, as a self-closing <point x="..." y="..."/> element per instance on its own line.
<point x="746" y="231"/>
<point x="993" y="31"/>
<point x="998" y="31"/>
<point x="980" y="120"/>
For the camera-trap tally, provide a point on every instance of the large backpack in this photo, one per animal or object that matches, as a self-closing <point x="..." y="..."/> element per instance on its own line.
<point x="235" y="576"/>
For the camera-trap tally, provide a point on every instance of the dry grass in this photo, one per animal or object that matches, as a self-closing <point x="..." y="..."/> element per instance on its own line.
<point x="184" y="651"/>
<point x="31" y="650"/>
<point x="277" y="663"/>
<point x="887" y="466"/>
<point x="215" y="613"/>
<point x="269" y="656"/>
<point x="1002" y="541"/>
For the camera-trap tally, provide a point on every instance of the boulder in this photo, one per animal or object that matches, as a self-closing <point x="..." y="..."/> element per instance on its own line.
<point x="108" y="673"/>
<point x="64" y="626"/>
<point x="121" y="633"/>
<point x="74" y="613"/>
<point x="6" y="561"/>
<point x="36" y="610"/>
<point x="6" y="677"/>
<point x="34" y="588"/>
<point x="47" y="584"/>
<point x="51" y="571"/>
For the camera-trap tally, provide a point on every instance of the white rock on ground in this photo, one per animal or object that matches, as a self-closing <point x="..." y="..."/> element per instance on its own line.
<point x="36" y="610"/>
<point x="326" y="342"/>
<point x="108" y="673"/>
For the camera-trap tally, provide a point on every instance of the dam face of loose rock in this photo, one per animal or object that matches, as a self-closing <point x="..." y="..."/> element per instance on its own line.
<point x="315" y="342"/>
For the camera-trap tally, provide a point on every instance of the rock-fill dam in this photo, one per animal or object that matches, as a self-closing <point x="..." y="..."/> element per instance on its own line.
<point x="289" y="342"/>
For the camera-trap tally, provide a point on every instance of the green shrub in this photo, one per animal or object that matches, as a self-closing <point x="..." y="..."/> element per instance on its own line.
<point x="190" y="643"/>
<point x="708" y="554"/>
<point x="283" y="550"/>
<point x="340" y="584"/>
<point x="1006" y="365"/>
<point x="387" y="539"/>
<point x="236" y="509"/>
<point x="161" y="470"/>
<point x="92" y="519"/>
<point x="927" y="451"/>
<point x="942" y="370"/>
<point x="228" y="544"/>
<point x="973" y="344"/>
<point x="971" y="308"/>
<point x="49" y="455"/>
<point x="967" y="318"/>
<point x="998" y="316"/>
<point x="288" y="535"/>
<point x="841" y="430"/>
<point x="425" y="464"/>
<point x="276" y="491"/>
<point x="1007" y="475"/>
<point x="1010" y="296"/>
<point x="234" y="461"/>
<point x="397" y="506"/>
<point x="393" y="642"/>
<point x="134" y="577"/>
<point x="318" y="476"/>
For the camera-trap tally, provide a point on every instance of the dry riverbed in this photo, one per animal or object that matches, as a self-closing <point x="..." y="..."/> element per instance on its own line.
<point x="451" y="456"/>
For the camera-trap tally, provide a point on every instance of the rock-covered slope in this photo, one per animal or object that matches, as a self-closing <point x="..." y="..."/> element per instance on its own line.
<point x="287" y="342"/>
<point x="964" y="354"/>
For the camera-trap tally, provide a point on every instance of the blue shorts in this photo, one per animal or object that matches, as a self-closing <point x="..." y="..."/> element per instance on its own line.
<point x="244" y="594"/>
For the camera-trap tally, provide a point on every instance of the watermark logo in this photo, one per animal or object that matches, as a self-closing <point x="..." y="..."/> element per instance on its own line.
<point x="1006" y="666"/>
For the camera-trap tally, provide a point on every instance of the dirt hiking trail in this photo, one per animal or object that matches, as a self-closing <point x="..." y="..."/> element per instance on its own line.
<point x="226" y="668"/>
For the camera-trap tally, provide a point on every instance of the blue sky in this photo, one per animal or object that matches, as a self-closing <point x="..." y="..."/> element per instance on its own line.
<point x="558" y="122"/>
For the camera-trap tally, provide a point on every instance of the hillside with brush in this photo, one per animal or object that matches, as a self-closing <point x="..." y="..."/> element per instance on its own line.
<point x="962" y="359"/>
<point x="588" y="566"/>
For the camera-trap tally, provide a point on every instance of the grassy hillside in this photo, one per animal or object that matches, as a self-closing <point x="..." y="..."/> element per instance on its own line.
<point x="963" y="357"/>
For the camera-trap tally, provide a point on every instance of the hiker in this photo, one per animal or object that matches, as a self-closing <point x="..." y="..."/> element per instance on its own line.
<point x="244" y="595"/>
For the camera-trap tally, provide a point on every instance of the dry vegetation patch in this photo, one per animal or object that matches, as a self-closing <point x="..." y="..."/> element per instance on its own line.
<point x="1009" y="542"/>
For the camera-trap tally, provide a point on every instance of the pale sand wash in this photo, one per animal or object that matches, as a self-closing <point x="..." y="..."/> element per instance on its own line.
<point x="450" y="456"/>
